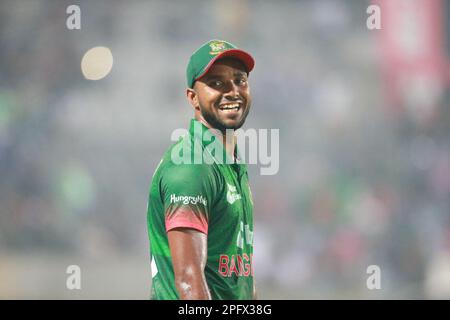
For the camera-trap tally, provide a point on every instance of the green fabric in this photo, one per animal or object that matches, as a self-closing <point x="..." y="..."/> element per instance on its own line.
<point x="217" y="194"/>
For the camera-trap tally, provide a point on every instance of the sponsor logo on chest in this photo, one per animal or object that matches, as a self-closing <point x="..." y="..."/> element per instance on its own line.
<point x="232" y="194"/>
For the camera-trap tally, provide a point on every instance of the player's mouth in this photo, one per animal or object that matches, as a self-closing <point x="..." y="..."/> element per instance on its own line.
<point x="230" y="108"/>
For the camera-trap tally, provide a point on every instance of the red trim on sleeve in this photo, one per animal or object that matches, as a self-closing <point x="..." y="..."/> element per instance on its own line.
<point x="183" y="218"/>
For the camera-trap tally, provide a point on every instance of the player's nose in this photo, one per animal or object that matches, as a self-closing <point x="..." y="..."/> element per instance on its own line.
<point x="232" y="91"/>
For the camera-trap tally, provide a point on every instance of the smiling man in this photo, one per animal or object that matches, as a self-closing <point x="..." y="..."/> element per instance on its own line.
<point x="200" y="216"/>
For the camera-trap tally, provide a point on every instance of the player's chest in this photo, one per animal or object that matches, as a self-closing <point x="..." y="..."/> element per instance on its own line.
<point x="235" y="203"/>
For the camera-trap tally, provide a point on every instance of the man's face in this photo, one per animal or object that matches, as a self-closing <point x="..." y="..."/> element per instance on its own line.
<point x="222" y="96"/>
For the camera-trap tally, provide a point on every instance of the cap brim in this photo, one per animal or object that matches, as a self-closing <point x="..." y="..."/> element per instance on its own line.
<point x="239" y="54"/>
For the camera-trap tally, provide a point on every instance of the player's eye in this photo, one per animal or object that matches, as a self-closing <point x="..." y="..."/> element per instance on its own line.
<point x="215" y="83"/>
<point x="241" y="82"/>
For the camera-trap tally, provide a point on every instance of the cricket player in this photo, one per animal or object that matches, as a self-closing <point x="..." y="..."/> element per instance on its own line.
<point x="200" y="213"/>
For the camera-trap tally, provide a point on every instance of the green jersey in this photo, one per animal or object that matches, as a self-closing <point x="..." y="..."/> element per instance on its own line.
<point x="213" y="198"/>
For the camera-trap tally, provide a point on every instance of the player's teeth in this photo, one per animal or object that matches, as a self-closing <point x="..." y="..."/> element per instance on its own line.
<point x="231" y="106"/>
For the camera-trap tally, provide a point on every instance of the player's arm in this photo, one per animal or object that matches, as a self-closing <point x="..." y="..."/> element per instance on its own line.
<point x="189" y="253"/>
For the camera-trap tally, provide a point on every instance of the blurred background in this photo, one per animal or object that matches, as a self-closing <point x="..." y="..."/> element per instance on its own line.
<point x="364" y="119"/>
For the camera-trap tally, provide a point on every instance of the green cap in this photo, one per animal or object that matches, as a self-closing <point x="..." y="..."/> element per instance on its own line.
<point x="204" y="57"/>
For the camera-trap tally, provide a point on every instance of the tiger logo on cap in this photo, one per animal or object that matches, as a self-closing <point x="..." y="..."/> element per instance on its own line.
<point x="217" y="47"/>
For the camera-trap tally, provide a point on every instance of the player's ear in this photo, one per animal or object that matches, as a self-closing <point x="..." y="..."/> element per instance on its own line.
<point x="192" y="97"/>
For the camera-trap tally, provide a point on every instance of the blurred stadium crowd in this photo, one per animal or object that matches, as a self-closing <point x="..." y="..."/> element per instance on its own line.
<point x="364" y="137"/>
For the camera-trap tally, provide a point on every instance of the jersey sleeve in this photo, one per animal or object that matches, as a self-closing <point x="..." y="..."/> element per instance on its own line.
<point x="187" y="191"/>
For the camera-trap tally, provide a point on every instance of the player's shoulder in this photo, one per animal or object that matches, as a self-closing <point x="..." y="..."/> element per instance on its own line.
<point x="179" y="162"/>
<point x="175" y="176"/>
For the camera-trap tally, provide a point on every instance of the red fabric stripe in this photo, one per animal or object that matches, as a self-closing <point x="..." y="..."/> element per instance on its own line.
<point x="183" y="218"/>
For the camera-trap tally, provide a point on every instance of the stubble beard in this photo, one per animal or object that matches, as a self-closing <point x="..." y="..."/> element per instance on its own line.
<point x="216" y="123"/>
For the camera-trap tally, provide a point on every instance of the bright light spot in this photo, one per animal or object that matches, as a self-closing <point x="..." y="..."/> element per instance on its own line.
<point x="97" y="63"/>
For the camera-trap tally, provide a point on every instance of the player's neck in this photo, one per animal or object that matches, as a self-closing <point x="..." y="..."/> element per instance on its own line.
<point x="228" y="138"/>
<point x="230" y="144"/>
